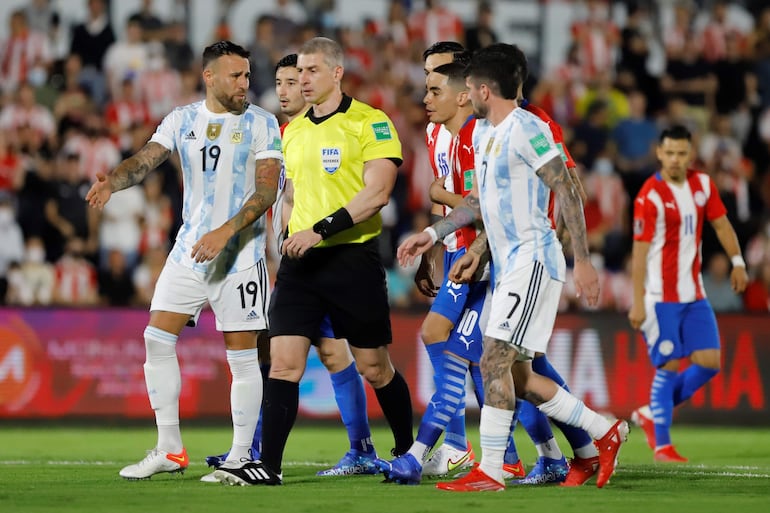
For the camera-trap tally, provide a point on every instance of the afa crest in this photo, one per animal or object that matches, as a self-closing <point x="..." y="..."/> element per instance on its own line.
<point x="236" y="137"/>
<point x="213" y="130"/>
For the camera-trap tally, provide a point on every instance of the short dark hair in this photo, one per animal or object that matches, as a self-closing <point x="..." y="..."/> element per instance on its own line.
<point x="287" y="61"/>
<point x="442" y="47"/>
<point x="463" y="57"/>
<point x="676" y="132"/>
<point x="501" y="66"/>
<point x="220" y="48"/>
<point x="455" y="73"/>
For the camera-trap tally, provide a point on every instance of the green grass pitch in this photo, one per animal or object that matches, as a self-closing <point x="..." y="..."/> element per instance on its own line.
<point x="50" y="468"/>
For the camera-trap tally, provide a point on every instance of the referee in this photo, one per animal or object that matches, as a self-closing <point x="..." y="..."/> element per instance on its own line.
<point x="341" y="162"/>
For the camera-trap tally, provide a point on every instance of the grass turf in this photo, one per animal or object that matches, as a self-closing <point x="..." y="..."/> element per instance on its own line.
<point x="46" y="468"/>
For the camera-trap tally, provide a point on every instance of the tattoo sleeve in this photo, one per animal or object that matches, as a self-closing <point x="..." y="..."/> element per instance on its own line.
<point x="479" y="244"/>
<point x="467" y="212"/>
<point x="266" y="181"/>
<point x="133" y="170"/>
<point x="556" y="176"/>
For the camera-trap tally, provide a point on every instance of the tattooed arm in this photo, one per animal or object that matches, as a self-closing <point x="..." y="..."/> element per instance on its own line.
<point x="558" y="179"/>
<point x="470" y="266"/>
<point x="129" y="172"/>
<point x="266" y="181"/>
<point x="555" y="175"/>
<point x="466" y="213"/>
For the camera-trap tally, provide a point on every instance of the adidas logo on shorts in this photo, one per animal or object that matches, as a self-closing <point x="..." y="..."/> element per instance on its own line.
<point x="505" y="326"/>
<point x="253" y="316"/>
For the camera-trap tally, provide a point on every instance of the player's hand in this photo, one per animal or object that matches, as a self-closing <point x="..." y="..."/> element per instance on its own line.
<point x="464" y="269"/>
<point x="739" y="279"/>
<point x="414" y="246"/>
<point x="586" y="281"/>
<point x="437" y="189"/>
<point x="423" y="278"/>
<point x="100" y="192"/>
<point x="297" y="244"/>
<point x="636" y="315"/>
<point x="211" y="245"/>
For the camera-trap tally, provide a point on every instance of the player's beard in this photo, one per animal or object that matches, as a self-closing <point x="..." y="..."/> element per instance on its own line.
<point x="231" y="103"/>
<point x="480" y="111"/>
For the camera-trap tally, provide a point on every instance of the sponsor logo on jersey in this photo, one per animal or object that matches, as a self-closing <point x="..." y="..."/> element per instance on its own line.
<point x="382" y="131"/>
<point x="190" y="136"/>
<point x="213" y="130"/>
<point x="468" y="179"/>
<point x="331" y="159"/>
<point x="540" y="144"/>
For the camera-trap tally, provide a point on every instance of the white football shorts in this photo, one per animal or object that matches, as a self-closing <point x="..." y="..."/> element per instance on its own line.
<point x="523" y="310"/>
<point x="239" y="300"/>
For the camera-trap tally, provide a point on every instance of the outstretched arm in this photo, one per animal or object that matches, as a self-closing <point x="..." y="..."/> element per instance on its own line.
<point x="129" y="172"/>
<point x="729" y="240"/>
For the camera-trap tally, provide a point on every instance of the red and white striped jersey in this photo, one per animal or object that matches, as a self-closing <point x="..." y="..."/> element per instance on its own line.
<point x="75" y="281"/>
<point x="37" y="117"/>
<point x="439" y="142"/>
<point x="670" y="218"/>
<point x="463" y="158"/>
<point x="19" y="54"/>
<point x="97" y="155"/>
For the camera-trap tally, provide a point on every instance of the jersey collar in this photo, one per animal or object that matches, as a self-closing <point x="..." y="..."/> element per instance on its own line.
<point x="343" y="107"/>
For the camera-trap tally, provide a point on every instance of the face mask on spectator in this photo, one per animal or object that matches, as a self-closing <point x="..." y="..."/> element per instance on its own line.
<point x="36" y="255"/>
<point x="603" y="167"/>
<point x="6" y="216"/>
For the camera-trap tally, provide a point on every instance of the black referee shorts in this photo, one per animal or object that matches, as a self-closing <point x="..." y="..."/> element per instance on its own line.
<point x="346" y="282"/>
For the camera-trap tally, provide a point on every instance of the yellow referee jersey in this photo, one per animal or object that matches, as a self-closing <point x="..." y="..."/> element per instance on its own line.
<point x="324" y="159"/>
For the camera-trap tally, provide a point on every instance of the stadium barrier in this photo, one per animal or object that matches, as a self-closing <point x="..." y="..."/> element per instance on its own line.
<point x="73" y="363"/>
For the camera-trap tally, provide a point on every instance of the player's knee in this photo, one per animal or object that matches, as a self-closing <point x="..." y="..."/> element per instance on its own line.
<point x="433" y="331"/>
<point x="377" y="375"/>
<point x="709" y="358"/>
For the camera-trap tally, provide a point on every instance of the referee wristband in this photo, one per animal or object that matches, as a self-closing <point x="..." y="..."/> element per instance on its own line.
<point x="738" y="261"/>
<point x="433" y="235"/>
<point x="334" y="223"/>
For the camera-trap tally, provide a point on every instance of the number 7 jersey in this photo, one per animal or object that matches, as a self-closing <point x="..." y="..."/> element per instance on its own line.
<point x="218" y="153"/>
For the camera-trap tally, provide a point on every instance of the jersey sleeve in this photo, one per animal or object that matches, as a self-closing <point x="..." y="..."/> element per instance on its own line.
<point x="715" y="208"/>
<point x="533" y="141"/>
<point x="379" y="139"/>
<point x="645" y="213"/>
<point x="166" y="133"/>
<point x="558" y="134"/>
<point x="266" y="143"/>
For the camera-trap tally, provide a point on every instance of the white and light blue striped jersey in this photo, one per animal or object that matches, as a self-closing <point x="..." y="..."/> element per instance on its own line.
<point x="514" y="200"/>
<point x="218" y="153"/>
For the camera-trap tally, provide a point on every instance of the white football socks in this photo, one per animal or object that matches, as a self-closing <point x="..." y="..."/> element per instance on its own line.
<point x="567" y="408"/>
<point x="164" y="383"/>
<point x="245" y="399"/>
<point x="494" y="429"/>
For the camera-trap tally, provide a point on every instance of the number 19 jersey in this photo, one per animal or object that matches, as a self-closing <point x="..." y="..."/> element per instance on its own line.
<point x="218" y="153"/>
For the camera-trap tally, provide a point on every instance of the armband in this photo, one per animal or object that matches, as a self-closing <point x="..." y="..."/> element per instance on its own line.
<point x="334" y="223"/>
<point x="433" y="235"/>
<point x="738" y="261"/>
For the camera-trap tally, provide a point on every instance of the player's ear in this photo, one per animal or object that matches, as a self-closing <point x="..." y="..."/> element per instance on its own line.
<point x="463" y="98"/>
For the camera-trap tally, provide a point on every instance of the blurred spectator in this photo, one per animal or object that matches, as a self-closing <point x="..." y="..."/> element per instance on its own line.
<point x="153" y="28"/>
<point x="116" y="286"/>
<point x="691" y="78"/>
<point x="74" y="100"/>
<point x="191" y="88"/>
<point x="75" y="281"/>
<point x="481" y="34"/>
<point x="288" y="16"/>
<point x="90" y="41"/>
<point x="757" y="295"/>
<point x="25" y="111"/>
<point x="32" y="282"/>
<point x="66" y="210"/>
<point x="718" y="30"/>
<point x="596" y="38"/>
<point x="435" y="23"/>
<point x="12" y="247"/>
<point x="682" y="29"/>
<point x="123" y="113"/>
<point x="716" y="282"/>
<point x="125" y="58"/>
<point x="11" y="166"/>
<point x="120" y="226"/>
<point x="179" y="53"/>
<point x="636" y="38"/>
<point x="157" y="215"/>
<point x="606" y="210"/>
<point x="601" y="88"/>
<point x="147" y="272"/>
<point x="634" y="139"/>
<point x="393" y="27"/>
<point x="263" y="56"/>
<point x="96" y="151"/>
<point x="592" y="134"/>
<point x="40" y="15"/>
<point x="159" y="85"/>
<point x="25" y="56"/>
<point x="35" y="190"/>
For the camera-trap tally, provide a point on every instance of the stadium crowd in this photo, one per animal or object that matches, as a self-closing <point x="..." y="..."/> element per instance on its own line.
<point x="77" y="99"/>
